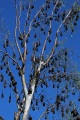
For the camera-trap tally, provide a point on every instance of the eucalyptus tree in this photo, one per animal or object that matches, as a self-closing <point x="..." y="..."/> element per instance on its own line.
<point x="35" y="61"/>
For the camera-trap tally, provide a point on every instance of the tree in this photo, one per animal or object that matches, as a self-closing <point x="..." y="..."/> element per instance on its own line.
<point x="37" y="42"/>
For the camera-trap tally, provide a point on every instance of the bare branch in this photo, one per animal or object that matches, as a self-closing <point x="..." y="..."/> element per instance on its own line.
<point x="56" y="39"/>
<point x="15" y="32"/>
<point x="50" y="28"/>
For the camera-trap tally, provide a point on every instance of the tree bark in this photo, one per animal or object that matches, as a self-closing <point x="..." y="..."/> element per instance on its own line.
<point x="28" y="103"/>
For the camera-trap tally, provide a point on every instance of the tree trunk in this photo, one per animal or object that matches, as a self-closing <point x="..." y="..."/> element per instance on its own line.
<point x="28" y="103"/>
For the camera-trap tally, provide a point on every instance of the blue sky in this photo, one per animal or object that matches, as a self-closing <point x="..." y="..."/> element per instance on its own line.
<point x="7" y="11"/>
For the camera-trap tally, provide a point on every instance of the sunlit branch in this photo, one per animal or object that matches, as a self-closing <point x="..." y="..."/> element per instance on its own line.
<point x="27" y="17"/>
<point x="15" y="32"/>
<point x="30" y="25"/>
<point x="24" y="85"/>
<point x="56" y="39"/>
<point x="49" y="28"/>
<point x="19" y="16"/>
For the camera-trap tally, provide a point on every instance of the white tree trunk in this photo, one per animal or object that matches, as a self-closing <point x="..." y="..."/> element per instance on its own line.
<point x="28" y="103"/>
<point x="30" y="96"/>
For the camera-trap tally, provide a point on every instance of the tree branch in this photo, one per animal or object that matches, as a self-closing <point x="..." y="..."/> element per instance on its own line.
<point x="50" y="28"/>
<point x="56" y="39"/>
<point x="17" y="45"/>
<point x="6" y="54"/>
